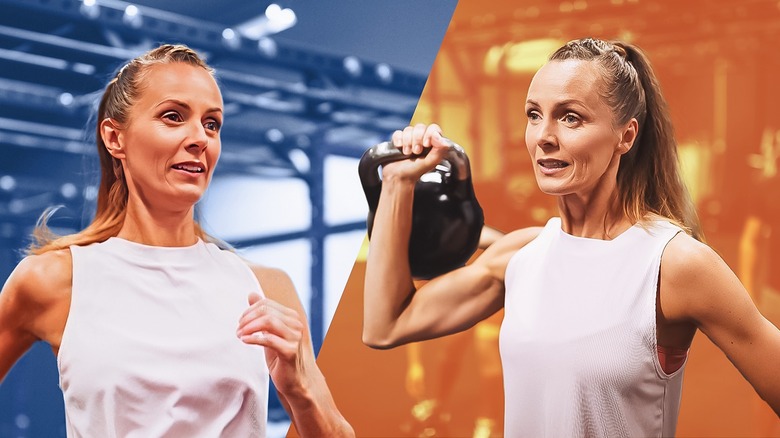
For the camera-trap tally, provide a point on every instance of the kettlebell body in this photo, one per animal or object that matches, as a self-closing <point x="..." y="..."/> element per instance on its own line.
<point x="446" y="217"/>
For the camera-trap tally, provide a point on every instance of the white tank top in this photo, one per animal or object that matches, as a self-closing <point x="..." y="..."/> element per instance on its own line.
<point x="578" y="340"/>
<point x="150" y="347"/>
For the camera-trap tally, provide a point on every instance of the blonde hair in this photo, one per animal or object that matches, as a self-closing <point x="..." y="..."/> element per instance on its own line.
<point x="120" y="95"/>
<point x="649" y="180"/>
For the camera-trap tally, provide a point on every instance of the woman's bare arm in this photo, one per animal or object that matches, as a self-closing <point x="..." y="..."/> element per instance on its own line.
<point x="394" y="312"/>
<point x="448" y="304"/>
<point x="34" y="305"/>
<point x="301" y="386"/>
<point x="698" y="286"/>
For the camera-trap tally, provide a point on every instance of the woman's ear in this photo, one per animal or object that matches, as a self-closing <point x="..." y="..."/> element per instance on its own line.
<point x="628" y="136"/>
<point x="112" y="138"/>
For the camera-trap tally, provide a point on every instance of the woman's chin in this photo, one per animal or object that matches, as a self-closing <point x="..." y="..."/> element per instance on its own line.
<point x="184" y="197"/>
<point x="553" y="189"/>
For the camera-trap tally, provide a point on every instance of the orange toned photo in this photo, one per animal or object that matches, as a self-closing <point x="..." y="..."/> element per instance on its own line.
<point x="714" y="63"/>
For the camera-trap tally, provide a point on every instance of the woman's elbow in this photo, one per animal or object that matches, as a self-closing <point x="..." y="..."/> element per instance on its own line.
<point x="379" y="341"/>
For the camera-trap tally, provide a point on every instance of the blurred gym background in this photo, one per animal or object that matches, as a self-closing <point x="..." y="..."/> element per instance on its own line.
<point x="718" y="64"/>
<point x="308" y="86"/>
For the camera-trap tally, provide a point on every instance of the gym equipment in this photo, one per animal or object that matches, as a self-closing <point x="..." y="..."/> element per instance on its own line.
<point x="446" y="217"/>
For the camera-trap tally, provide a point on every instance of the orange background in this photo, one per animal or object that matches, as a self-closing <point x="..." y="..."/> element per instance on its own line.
<point x="718" y="65"/>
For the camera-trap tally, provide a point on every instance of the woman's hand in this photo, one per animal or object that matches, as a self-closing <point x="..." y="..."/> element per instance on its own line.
<point x="280" y="330"/>
<point x="278" y="323"/>
<point x="414" y="140"/>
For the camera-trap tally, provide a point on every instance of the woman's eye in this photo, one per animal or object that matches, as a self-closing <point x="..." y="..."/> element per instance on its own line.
<point x="571" y="119"/>
<point x="212" y="125"/>
<point x="172" y="116"/>
<point x="533" y="115"/>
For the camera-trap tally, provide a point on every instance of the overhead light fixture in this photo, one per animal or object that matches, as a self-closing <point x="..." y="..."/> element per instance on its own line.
<point x="69" y="191"/>
<point x="133" y="17"/>
<point x="279" y="18"/>
<point x="90" y="9"/>
<point x="352" y="66"/>
<point x="230" y="39"/>
<point x="299" y="160"/>
<point x="66" y="99"/>
<point x="274" y="135"/>
<point x="384" y="72"/>
<point x="7" y="183"/>
<point x="274" y="20"/>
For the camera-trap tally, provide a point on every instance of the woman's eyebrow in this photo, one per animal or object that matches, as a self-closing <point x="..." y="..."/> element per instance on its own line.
<point x="557" y="104"/>
<point x="186" y="106"/>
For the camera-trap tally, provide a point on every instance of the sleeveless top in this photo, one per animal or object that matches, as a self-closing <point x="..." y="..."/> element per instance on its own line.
<point x="578" y="340"/>
<point x="150" y="347"/>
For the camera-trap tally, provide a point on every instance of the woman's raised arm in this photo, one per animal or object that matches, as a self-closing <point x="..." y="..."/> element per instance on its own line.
<point x="394" y="312"/>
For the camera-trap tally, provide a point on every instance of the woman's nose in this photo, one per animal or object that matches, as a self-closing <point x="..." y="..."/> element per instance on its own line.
<point x="198" y="138"/>
<point x="546" y="136"/>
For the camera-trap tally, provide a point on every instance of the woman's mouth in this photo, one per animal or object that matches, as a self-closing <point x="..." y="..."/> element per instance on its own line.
<point x="190" y="167"/>
<point x="549" y="166"/>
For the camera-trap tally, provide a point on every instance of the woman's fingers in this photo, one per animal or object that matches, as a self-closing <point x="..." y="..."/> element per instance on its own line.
<point x="407" y="138"/>
<point x="414" y="139"/>
<point x="269" y="319"/>
<point x="418" y="134"/>
<point x="284" y="327"/>
<point x="432" y="136"/>
<point x="262" y="305"/>
<point x="284" y="348"/>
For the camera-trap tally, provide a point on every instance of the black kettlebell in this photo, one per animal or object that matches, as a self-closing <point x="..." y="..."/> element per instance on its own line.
<point x="446" y="217"/>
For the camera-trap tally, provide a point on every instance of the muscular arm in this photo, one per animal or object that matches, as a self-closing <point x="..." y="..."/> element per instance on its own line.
<point x="698" y="286"/>
<point x="395" y="313"/>
<point x="33" y="305"/>
<point x="309" y="403"/>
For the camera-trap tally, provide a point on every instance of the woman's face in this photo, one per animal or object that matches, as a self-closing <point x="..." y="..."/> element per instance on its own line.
<point x="571" y="136"/>
<point x="171" y="141"/>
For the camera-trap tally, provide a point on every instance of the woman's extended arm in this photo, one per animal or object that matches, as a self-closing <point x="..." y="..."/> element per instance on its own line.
<point x="281" y="320"/>
<point x="394" y="313"/>
<point x="698" y="286"/>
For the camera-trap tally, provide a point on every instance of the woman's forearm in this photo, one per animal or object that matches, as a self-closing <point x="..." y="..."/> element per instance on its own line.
<point x="388" y="281"/>
<point x="314" y="413"/>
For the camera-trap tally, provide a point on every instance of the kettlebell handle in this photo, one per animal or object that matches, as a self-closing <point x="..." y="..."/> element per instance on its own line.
<point x="385" y="152"/>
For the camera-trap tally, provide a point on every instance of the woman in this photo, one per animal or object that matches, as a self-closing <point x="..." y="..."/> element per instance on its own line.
<point x="601" y="304"/>
<point x="157" y="331"/>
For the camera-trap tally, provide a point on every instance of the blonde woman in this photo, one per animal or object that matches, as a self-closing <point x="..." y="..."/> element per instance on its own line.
<point x="157" y="331"/>
<point x="601" y="304"/>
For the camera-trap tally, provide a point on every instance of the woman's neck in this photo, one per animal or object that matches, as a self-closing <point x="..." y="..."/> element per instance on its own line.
<point x="596" y="215"/>
<point x="156" y="227"/>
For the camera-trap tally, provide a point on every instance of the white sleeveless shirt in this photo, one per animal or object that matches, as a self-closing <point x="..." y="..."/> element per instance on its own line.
<point x="150" y="347"/>
<point x="578" y="340"/>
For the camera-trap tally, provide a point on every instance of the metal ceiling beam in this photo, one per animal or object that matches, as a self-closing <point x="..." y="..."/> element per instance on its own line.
<point x="167" y="26"/>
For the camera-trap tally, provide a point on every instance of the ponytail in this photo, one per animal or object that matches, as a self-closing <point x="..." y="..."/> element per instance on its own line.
<point x="649" y="176"/>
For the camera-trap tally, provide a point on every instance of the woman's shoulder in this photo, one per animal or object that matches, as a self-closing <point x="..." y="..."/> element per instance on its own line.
<point x="268" y="275"/>
<point x="517" y="239"/>
<point x="41" y="278"/>
<point x="685" y="256"/>
<point x="692" y="276"/>
<point x="496" y="257"/>
<point x="278" y="286"/>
